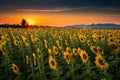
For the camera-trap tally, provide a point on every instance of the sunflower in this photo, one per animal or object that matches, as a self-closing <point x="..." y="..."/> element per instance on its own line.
<point x="58" y="44"/>
<point x="1" y="51"/>
<point x="111" y="40"/>
<point x="25" y="41"/>
<point x="45" y="44"/>
<point x="101" y="37"/>
<point x="37" y="40"/>
<point x="32" y="38"/>
<point x="34" y="59"/>
<point x="100" y="50"/>
<point x="66" y="42"/>
<point x="79" y="50"/>
<point x="55" y="50"/>
<point x="27" y="59"/>
<point x="68" y="50"/>
<point x="118" y="41"/>
<point x="94" y="36"/>
<point x="88" y="42"/>
<point x="60" y="37"/>
<point x="94" y="49"/>
<point x="113" y="46"/>
<point x="15" y="68"/>
<point x="49" y="51"/>
<point x="84" y="56"/>
<point x="67" y="57"/>
<point x="16" y="41"/>
<point x="52" y="63"/>
<point x="100" y="62"/>
<point x="74" y="51"/>
<point x="38" y="52"/>
<point x="82" y="38"/>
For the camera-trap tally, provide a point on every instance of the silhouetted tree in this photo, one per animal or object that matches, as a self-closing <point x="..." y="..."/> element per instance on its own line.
<point x="23" y="23"/>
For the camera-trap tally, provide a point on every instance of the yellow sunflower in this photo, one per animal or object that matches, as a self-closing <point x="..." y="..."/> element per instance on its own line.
<point x="82" y="38"/>
<point x="38" y="52"/>
<point x="75" y="51"/>
<point x="68" y="50"/>
<point x="79" y="50"/>
<point x="113" y="46"/>
<point x="88" y="42"/>
<point x="100" y="50"/>
<point x="111" y="40"/>
<point x="45" y="43"/>
<point x="66" y="42"/>
<point x="84" y="56"/>
<point x="16" y="41"/>
<point x="67" y="57"/>
<point x="60" y="37"/>
<point x="55" y="50"/>
<point x="94" y="49"/>
<point x="25" y="41"/>
<point x="100" y="62"/>
<point x="27" y="59"/>
<point x="49" y="51"/>
<point x="34" y="59"/>
<point x="1" y="51"/>
<point x="58" y="44"/>
<point x="118" y="41"/>
<point x="52" y="63"/>
<point x="15" y="68"/>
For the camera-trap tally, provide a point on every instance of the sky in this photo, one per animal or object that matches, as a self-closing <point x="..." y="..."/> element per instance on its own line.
<point x="60" y="12"/>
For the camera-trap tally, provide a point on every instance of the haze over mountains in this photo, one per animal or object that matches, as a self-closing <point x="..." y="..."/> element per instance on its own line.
<point x="100" y="26"/>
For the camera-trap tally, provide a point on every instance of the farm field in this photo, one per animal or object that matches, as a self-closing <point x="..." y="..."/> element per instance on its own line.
<point x="59" y="54"/>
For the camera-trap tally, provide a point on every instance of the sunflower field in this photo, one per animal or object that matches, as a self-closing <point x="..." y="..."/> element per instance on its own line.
<point x="59" y="54"/>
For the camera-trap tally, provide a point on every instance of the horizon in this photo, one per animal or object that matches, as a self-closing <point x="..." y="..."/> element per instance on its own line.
<point x="60" y="12"/>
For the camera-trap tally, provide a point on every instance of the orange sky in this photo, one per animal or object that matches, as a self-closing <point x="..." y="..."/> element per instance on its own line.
<point x="58" y="19"/>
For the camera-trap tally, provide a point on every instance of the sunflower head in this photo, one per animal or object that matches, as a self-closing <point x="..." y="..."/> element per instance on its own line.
<point x="100" y="62"/>
<point x="49" y="51"/>
<point x="1" y="51"/>
<point x="25" y="41"/>
<point x="38" y="52"/>
<point x="45" y="44"/>
<point x="66" y="42"/>
<point x="88" y="42"/>
<point x="68" y="50"/>
<point x="55" y="50"/>
<point x="52" y="63"/>
<point x="15" y="68"/>
<point x="16" y="41"/>
<point x="100" y="50"/>
<point x="67" y="57"/>
<point x="84" y="56"/>
<point x="60" y="37"/>
<point x="94" y="49"/>
<point x="27" y="59"/>
<point x="82" y="38"/>
<point x="75" y="51"/>
<point x="114" y="46"/>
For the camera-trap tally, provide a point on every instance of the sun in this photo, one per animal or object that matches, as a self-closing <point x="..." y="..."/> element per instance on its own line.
<point x="31" y="21"/>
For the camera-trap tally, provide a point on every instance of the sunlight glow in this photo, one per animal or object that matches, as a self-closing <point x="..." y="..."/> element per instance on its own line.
<point x="31" y="21"/>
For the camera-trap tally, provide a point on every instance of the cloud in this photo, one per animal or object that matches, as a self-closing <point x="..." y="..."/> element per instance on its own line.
<point x="44" y="10"/>
<point x="75" y="10"/>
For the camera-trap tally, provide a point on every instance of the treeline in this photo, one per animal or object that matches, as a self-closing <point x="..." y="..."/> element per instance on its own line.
<point x="24" y="24"/>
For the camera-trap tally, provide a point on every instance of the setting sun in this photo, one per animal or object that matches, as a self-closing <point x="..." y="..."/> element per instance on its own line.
<point x="31" y="21"/>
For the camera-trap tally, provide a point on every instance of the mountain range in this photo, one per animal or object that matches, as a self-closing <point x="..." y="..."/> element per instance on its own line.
<point x="98" y="26"/>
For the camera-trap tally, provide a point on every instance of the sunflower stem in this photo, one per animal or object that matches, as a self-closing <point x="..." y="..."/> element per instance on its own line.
<point x="89" y="68"/>
<point x="105" y="73"/>
<point x="31" y="65"/>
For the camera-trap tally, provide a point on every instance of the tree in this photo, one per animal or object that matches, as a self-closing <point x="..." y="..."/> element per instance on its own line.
<point x="23" y="23"/>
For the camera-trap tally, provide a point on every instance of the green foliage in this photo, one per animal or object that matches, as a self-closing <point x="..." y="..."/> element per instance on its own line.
<point x="16" y="44"/>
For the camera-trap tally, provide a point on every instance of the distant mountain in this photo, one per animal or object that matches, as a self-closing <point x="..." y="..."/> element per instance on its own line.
<point x="98" y="26"/>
